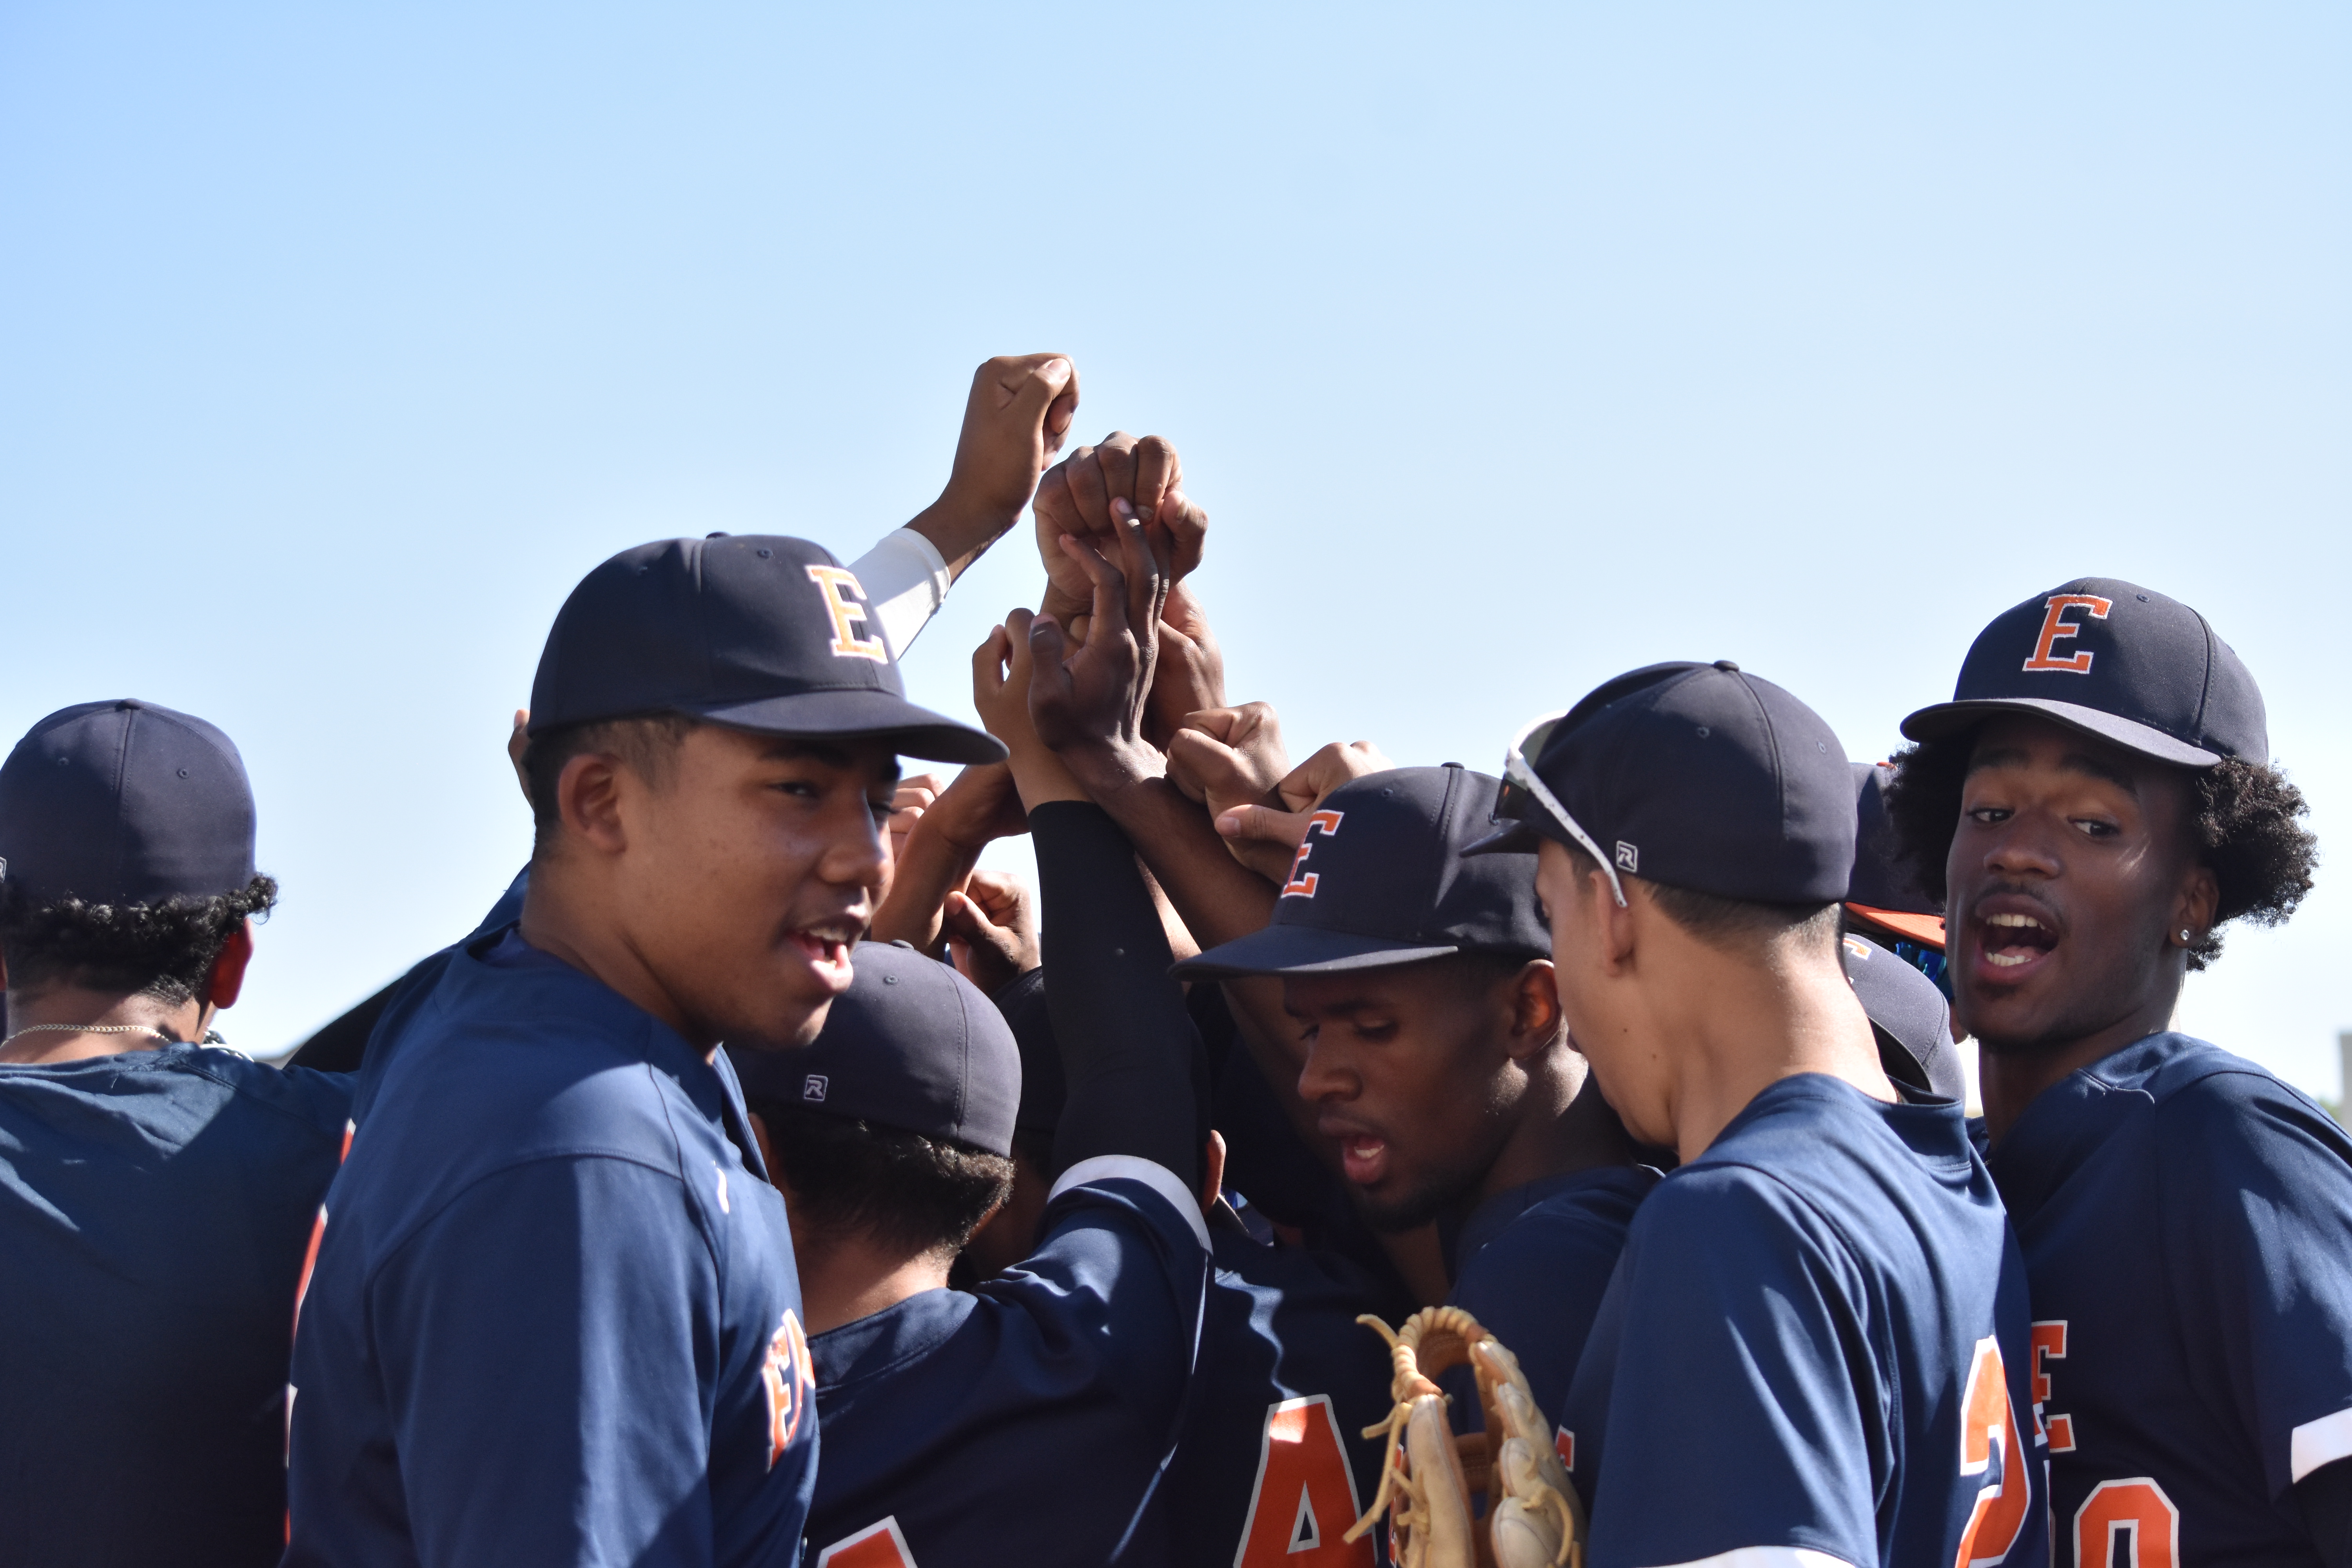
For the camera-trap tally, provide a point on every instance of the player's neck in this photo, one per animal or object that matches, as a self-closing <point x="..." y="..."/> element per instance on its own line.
<point x="44" y="1022"/>
<point x="1573" y="1129"/>
<point x="2012" y="1077"/>
<point x="1735" y="1027"/>
<point x="844" y="1278"/>
<point x="564" y="916"/>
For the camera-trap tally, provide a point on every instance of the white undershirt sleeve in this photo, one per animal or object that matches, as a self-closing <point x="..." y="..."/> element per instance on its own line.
<point x="906" y="580"/>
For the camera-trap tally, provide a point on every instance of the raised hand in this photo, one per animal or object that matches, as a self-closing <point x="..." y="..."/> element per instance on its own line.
<point x="992" y="930"/>
<point x="1014" y="419"/>
<point x="1075" y="499"/>
<point x="1226" y="758"/>
<point x="1001" y="668"/>
<point x="1283" y="828"/>
<point x="1089" y="703"/>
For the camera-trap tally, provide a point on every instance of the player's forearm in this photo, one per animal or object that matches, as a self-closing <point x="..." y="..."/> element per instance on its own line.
<point x="1128" y="1048"/>
<point x="960" y="534"/>
<point x="913" y="910"/>
<point x="1217" y="898"/>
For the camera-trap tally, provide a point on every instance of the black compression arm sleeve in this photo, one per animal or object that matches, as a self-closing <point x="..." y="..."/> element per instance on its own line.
<point x="1127" y="1046"/>
<point x="2326" y="1496"/>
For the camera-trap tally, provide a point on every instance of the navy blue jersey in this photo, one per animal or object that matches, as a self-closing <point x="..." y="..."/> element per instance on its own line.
<point x="553" y="1316"/>
<point x="1273" y="1456"/>
<point x="2186" y="1224"/>
<point x="1531" y="1265"/>
<point x="1026" y="1421"/>
<point x="154" y="1207"/>
<point x="1816" y="1341"/>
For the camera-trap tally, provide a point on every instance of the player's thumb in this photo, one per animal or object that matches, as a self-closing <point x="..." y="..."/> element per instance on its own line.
<point x="1041" y="389"/>
<point x="1262" y="824"/>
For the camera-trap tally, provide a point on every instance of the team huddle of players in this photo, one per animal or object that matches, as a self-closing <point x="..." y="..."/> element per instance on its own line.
<point x="761" y="1179"/>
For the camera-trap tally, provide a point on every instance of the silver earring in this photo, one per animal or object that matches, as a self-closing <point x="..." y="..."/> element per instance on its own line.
<point x="2184" y="936"/>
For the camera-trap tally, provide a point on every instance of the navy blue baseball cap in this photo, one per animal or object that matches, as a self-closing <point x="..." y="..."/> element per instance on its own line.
<point x="2114" y="660"/>
<point x="1381" y="880"/>
<point x="757" y="632"/>
<point x="1694" y="776"/>
<point x="125" y="803"/>
<point x="1884" y="890"/>
<point x="911" y="1044"/>
<point x="1909" y="1015"/>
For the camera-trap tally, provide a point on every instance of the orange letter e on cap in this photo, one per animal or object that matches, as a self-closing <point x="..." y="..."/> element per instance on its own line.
<point x="845" y="601"/>
<point x="2055" y="628"/>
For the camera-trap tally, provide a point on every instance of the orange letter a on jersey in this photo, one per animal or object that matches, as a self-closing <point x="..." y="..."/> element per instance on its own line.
<point x="1306" y="1496"/>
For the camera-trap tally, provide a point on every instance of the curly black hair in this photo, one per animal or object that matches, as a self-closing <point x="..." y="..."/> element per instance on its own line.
<point x="904" y="1189"/>
<point x="164" y="951"/>
<point x="2247" y="826"/>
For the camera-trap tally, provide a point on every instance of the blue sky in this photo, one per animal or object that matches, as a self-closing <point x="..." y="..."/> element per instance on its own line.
<point x="1507" y="348"/>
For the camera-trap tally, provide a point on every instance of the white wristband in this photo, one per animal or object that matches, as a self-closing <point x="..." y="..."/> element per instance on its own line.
<point x="906" y="581"/>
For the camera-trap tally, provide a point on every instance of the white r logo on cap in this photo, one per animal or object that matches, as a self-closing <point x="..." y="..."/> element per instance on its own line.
<point x="813" y="1087"/>
<point x="1628" y="858"/>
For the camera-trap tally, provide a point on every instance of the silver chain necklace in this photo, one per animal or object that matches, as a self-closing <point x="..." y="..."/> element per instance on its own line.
<point x="91" y="1029"/>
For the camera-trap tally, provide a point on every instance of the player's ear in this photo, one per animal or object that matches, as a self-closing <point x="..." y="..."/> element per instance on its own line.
<point x="1535" y="1020"/>
<point x="588" y="797"/>
<point x="226" y="981"/>
<point x="1212" y="1171"/>
<point x="1620" y="925"/>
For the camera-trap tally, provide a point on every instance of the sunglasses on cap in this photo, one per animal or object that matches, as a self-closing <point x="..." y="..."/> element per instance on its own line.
<point x="1524" y="794"/>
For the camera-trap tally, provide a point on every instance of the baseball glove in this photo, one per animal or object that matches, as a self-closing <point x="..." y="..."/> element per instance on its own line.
<point x="1533" y="1518"/>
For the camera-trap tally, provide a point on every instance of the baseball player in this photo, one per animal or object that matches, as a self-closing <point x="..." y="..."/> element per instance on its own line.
<point x="1815" y="1349"/>
<point x="1027" y="1418"/>
<point x="553" y="1316"/>
<point x="155" y="1191"/>
<point x="2094" y="804"/>
<point x="1268" y="1462"/>
<point x="1437" y="1060"/>
<point x="1016" y="417"/>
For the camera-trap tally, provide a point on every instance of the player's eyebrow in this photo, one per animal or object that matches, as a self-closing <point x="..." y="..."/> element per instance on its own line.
<point x="2087" y="764"/>
<point x="792" y="749"/>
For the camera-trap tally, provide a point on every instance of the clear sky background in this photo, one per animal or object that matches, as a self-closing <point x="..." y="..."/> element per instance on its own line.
<point x="1507" y="349"/>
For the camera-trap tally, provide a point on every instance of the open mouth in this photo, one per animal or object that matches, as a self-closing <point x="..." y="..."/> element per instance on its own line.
<point x="2010" y="941"/>
<point x="827" y="950"/>
<point x="1364" y="1158"/>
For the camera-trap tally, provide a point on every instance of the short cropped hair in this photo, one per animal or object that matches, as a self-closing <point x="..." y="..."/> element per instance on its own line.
<point x="2246" y="821"/>
<point x="1730" y="923"/>
<point x="649" y="744"/>
<point x="165" y="951"/>
<point x="909" y="1192"/>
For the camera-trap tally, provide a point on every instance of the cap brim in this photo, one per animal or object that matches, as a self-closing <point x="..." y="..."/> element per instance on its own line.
<point x="1304" y="950"/>
<point x="1945" y="718"/>
<point x="1508" y="838"/>
<point x="869" y="715"/>
<point x="1929" y="929"/>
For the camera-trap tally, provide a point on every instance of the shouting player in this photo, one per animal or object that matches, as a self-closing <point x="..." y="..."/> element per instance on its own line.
<point x="554" y="1316"/>
<point x="1815" y="1349"/>
<point x="2095" y="803"/>
<point x="155" y="1192"/>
